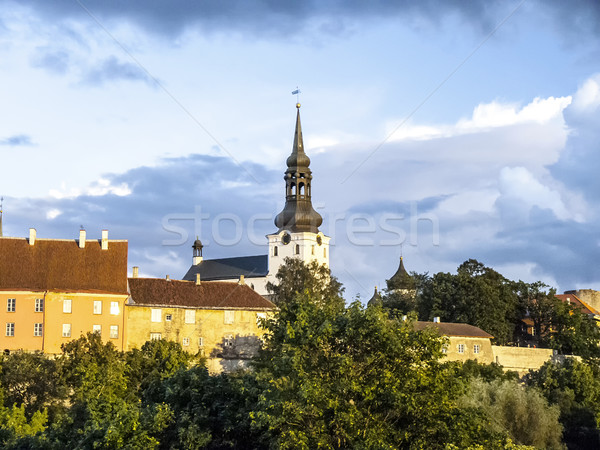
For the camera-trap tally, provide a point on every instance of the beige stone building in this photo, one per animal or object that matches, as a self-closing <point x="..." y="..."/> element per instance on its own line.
<point x="219" y="320"/>
<point x="465" y="341"/>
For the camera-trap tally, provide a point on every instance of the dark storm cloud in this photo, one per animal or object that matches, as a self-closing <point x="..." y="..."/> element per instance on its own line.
<point x="289" y="18"/>
<point x="173" y="193"/>
<point x="18" y="140"/>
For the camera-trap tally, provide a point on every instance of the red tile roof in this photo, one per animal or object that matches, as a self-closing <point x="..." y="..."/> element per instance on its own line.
<point x="60" y="265"/>
<point x="209" y="294"/>
<point x="574" y="300"/>
<point x="453" y="329"/>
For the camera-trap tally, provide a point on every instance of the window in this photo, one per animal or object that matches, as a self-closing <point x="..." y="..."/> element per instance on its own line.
<point x="97" y="306"/>
<point x="11" y="305"/>
<point x="190" y="316"/>
<point x="444" y="349"/>
<point x="66" y="331"/>
<point x="229" y="317"/>
<point x="185" y="342"/>
<point x="114" y="331"/>
<point x="476" y="348"/>
<point x="228" y="340"/>
<point x="260" y="316"/>
<point x="10" y="329"/>
<point x="275" y="251"/>
<point x="67" y="306"/>
<point x="156" y="315"/>
<point x="114" y="308"/>
<point x="324" y="253"/>
<point x="201" y="342"/>
<point x="461" y="348"/>
<point x="297" y="249"/>
<point x="155" y="336"/>
<point x="39" y="305"/>
<point x="312" y="250"/>
<point x="97" y="329"/>
<point x="38" y="329"/>
<point x="168" y="317"/>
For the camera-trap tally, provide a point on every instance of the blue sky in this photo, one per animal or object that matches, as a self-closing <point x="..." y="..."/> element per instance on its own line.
<point x="461" y="130"/>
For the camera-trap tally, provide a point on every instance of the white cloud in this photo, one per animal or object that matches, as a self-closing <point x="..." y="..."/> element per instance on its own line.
<point x="96" y="189"/>
<point x="587" y="97"/>
<point x="487" y="116"/>
<point x="518" y="184"/>
<point x="53" y="213"/>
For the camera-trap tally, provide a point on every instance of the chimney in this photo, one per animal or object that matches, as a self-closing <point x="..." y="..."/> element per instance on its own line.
<point x="32" y="236"/>
<point x="81" y="238"/>
<point x="198" y="279"/>
<point x="436" y="319"/>
<point x="568" y="300"/>
<point x="135" y="272"/>
<point x="242" y="282"/>
<point x="168" y="278"/>
<point x="104" y="239"/>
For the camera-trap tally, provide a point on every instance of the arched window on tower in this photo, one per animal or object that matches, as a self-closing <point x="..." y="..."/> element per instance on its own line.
<point x="300" y="188"/>
<point x="275" y="251"/>
<point x="297" y="249"/>
<point x="325" y="253"/>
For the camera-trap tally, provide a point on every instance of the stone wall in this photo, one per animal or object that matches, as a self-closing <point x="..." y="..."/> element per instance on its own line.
<point x="521" y="359"/>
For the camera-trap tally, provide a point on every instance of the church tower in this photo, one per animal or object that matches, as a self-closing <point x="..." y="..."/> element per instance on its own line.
<point x="298" y="223"/>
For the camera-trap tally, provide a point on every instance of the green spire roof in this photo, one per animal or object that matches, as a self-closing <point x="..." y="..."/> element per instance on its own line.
<point x="401" y="279"/>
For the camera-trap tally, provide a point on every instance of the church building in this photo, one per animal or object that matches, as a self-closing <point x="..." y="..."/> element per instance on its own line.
<point x="297" y="234"/>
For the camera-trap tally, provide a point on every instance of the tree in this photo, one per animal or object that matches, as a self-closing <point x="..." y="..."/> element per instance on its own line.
<point x="476" y="295"/>
<point x="574" y="386"/>
<point x="297" y="277"/>
<point x="353" y="378"/>
<point x="210" y="412"/>
<point x="154" y="362"/>
<point x="515" y="408"/>
<point x="558" y="325"/>
<point x="31" y="381"/>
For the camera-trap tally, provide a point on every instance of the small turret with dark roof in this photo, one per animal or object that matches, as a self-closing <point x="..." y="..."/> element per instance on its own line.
<point x="376" y="299"/>
<point x="197" y="249"/>
<point x="298" y="214"/>
<point x="401" y="281"/>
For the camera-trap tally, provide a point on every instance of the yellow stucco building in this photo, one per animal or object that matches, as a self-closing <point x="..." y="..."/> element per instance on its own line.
<point x="219" y="320"/>
<point x="55" y="290"/>
<point x="464" y="341"/>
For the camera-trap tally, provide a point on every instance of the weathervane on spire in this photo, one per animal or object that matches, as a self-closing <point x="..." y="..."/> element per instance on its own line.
<point x="296" y="92"/>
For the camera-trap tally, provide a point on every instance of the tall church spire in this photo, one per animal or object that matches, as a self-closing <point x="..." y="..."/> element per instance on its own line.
<point x="298" y="214"/>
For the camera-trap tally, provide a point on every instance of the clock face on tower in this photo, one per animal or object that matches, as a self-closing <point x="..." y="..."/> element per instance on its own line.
<point x="286" y="239"/>
<point x="319" y="240"/>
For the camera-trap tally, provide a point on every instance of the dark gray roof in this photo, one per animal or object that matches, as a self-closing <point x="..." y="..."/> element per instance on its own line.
<point x="230" y="268"/>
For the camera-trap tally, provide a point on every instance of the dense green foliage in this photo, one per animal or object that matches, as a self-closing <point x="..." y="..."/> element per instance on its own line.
<point x="480" y="296"/>
<point x="329" y="375"/>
